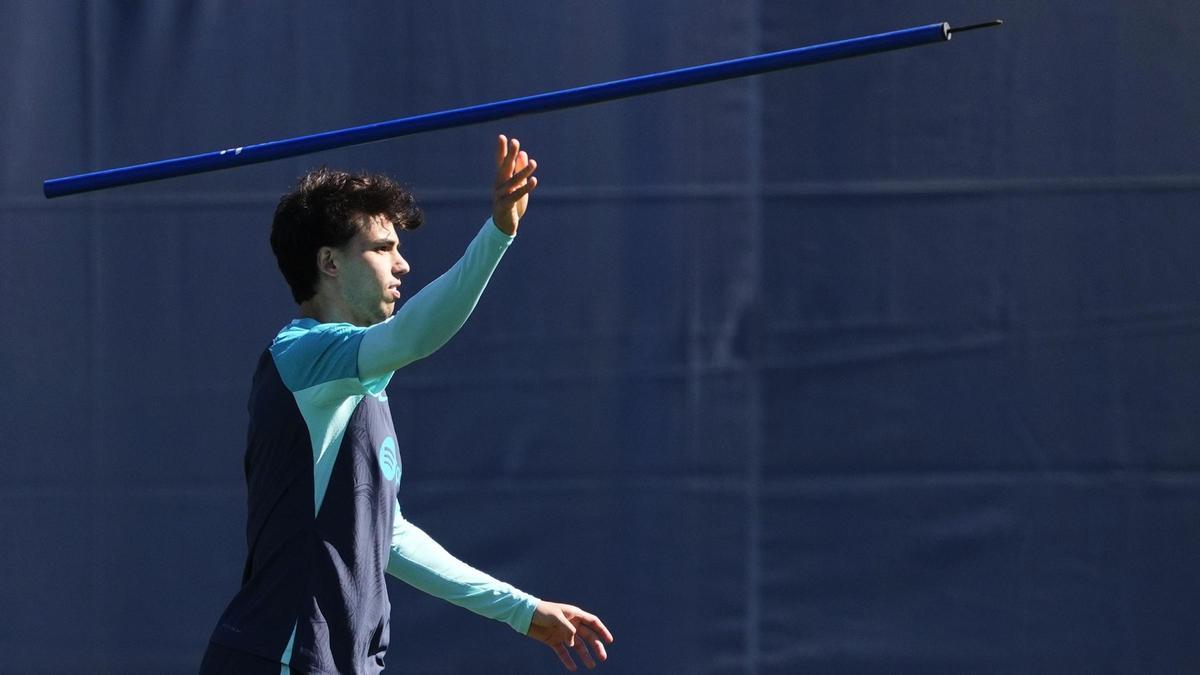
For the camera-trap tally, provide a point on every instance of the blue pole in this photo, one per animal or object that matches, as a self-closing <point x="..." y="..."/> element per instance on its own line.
<point x="555" y="100"/>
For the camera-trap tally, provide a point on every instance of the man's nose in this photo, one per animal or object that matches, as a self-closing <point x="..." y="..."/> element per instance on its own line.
<point x="400" y="268"/>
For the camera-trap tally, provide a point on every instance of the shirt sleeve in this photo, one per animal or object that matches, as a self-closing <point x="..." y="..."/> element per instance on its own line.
<point x="309" y="355"/>
<point x="419" y="561"/>
<point x="430" y="318"/>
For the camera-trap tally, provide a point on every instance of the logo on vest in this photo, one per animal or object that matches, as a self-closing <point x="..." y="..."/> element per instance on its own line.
<point x="389" y="461"/>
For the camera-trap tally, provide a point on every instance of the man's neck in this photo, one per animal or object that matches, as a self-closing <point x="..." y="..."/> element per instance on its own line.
<point x="324" y="310"/>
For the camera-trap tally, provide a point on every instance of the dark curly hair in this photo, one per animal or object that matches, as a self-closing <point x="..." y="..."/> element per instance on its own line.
<point x="327" y="208"/>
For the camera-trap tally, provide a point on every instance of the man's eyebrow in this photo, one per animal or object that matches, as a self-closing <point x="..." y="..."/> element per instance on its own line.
<point x="386" y="241"/>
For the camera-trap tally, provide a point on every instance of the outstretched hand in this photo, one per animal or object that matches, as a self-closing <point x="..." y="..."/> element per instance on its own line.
<point x="514" y="182"/>
<point x="565" y="627"/>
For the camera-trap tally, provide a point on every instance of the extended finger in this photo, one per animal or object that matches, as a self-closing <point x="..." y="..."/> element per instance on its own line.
<point x="593" y="622"/>
<point x="523" y="164"/>
<point x="584" y="655"/>
<point x="564" y="656"/>
<point x="514" y="153"/>
<point x="505" y="155"/>
<point x="501" y="150"/>
<point x="585" y="634"/>
<point x="514" y="147"/>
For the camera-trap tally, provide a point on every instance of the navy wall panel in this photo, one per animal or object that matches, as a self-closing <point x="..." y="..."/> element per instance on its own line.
<point x="882" y="366"/>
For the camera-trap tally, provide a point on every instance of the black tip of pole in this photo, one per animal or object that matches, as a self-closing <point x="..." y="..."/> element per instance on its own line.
<point x="985" y="24"/>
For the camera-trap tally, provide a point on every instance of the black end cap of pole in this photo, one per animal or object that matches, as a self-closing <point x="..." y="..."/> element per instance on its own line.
<point x="974" y="26"/>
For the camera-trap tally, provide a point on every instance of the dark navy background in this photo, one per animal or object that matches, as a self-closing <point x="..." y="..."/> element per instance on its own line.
<point x="881" y="366"/>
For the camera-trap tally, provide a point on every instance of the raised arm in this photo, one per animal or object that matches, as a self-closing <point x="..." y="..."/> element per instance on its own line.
<point x="433" y="316"/>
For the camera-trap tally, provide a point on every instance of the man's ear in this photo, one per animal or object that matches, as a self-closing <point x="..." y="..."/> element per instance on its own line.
<point x="327" y="261"/>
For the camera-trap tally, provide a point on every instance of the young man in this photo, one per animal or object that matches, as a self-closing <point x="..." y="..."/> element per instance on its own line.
<point x="322" y="465"/>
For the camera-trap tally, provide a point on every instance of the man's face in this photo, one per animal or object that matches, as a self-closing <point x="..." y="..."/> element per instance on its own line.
<point x="370" y="267"/>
